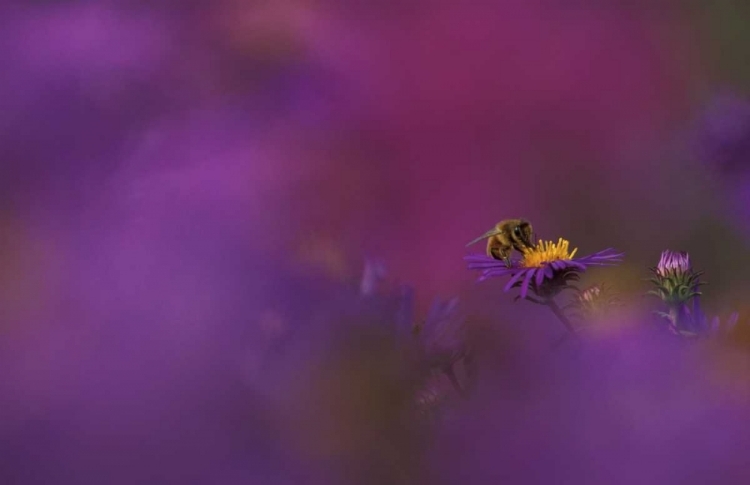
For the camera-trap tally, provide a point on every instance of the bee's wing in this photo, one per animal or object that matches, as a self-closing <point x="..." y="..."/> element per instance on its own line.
<point x="490" y="233"/>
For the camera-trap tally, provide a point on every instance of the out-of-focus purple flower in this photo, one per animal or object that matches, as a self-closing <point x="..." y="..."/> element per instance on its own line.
<point x="431" y="348"/>
<point x="373" y="277"/>
<point x="546" y="269"/>
<point x="687" y="322"/>
<point x="593" y="302"/>
<point x="429" y="400"/>
<point x="721" y="140"/>
<point x="724" y="131"/>
<point x="435" y="399"/>
<point x="717" y="328"/>
<point x="676" y="281"/>
<point x="442" y="336"/>
<point x="590" y="295"/>
<point x="405" y="311"/>
<point x="632" y="396"/>
<point x="440" y="347"/>
<point x="714" y="327"/>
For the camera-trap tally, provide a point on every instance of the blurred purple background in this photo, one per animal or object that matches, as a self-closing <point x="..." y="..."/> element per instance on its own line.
<point x="190" y="190"/>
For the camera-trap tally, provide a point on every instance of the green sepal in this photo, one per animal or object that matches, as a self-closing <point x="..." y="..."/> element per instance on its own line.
<point x="659" y="293"/>
<point x="664" y="315"/>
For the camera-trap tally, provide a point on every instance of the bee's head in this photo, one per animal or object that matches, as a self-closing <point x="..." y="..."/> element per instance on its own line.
<point x="523" y="232"/>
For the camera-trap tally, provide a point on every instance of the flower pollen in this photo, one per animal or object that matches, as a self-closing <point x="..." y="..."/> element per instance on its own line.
<point x="547" y="252"/>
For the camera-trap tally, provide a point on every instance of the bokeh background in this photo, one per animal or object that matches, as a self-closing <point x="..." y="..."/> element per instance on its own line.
<point x="189" y="191"/>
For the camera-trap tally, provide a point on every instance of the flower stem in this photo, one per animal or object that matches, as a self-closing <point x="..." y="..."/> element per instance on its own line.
<point x="560" y="315"/>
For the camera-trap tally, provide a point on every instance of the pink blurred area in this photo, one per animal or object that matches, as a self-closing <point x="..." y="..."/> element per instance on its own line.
<point x="321" y="133"/>
<point x="315" y="134"/>
<point x="402" y="132"/>
<point x="459" y="117"/>
<point x="188" y="187"/>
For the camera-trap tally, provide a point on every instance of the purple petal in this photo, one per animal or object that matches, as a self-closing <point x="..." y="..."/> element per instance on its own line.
<point x="602" y="258"/>
<point x="540" y="276"/>
<point x="451" y="305"/>
<point x="606" y="258"/>
<point x="498" y="272"/>
<point x="714" y="324"/>
<point x="732" y="321"/>
<point x="576" y="264"/>
<point x="527" y="281"/>
<point x="476" y="261"/>
<point x="405" y="315"/>
<point x="548" y="271"/>
<point x="490" y="267"/>
<point x="514" y="279"/>
<point x="434" y="311"/>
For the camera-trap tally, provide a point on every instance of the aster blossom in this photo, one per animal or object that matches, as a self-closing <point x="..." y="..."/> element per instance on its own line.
<point x="441" y="336"/>
<point x="545" y="269"/>
<point x="441" y="345"/>
<point x="373" y="277"/>
<point x="439" y="339"/>
<point x="677" y="286"/>
<point x="675" y="280"/>
<point x="433" y="347"/>
<point x="594" y="302"/>
<point x="691" y="321"/>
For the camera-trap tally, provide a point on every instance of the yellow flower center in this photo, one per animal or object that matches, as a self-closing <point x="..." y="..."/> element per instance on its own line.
<point x="546" y="252"/>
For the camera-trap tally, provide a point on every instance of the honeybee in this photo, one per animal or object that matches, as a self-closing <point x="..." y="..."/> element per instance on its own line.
<point x="506" y="236"/>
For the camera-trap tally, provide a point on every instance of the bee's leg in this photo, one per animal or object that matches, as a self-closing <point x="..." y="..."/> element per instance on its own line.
<point x="492" y="250"/>
<point x="504" y="255"/>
